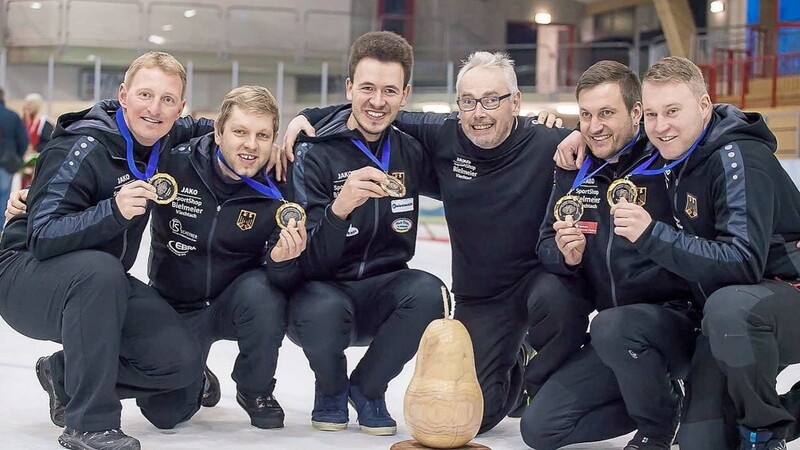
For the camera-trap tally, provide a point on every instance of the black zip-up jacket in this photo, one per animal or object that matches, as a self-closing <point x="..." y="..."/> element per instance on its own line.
<point x="71" y="202"/>
<point x="616" y="271"/>
<point x="737" y="210"/>
<point x="379" y="236"/>
<point x="494" y="200"/>
<point x="200" y="242"/>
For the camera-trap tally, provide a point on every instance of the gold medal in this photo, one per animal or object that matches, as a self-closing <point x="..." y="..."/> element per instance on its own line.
<point x="619" y="189"/>
<point x="166" y="188"/>
<point x="568" y="205"/>
<point x="393" y="187"/>
<point x="288" y="211"/>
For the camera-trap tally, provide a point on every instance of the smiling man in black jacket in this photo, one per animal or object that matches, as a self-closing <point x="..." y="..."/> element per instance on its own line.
<point x="642" y="339"/>
<point x="209" y="251"/>
<point x="63" y="267"/>
<point x="493" y="173"/>
<point x="359" y="180"/>
<point x="733" y="238"/>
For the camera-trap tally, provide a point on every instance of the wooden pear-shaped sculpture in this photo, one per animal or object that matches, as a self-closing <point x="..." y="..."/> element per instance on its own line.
<point x="443" y="405"/>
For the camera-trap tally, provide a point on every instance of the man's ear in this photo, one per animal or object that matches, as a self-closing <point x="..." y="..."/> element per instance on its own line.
<point x="217" y="133"/>
<point x="406" y="93"/>
<point x="636" y="112"/>
<point x="122" y="95"/>
<point x="706" y="105"/>
<point x="348" y="89"/>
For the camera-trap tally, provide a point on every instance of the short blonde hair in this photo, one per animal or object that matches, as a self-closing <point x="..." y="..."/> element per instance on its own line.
<point x="254" y="99"/>
<point x="159" y="60"/>
<point x="487" y="59"/>
<point x="36" y="100"/>
<point x="675" y="69"/>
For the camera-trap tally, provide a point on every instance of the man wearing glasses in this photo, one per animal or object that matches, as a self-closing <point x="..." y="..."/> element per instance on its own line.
<point x="494" y="172"/>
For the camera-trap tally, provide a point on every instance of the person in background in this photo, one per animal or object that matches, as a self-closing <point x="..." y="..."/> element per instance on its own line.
<point x="13" y="143"/>
<point x="39" y="128"/>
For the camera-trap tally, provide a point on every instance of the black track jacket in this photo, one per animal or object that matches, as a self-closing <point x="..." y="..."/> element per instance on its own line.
<point x="617" y="273"/>
<point x="71" y="202"/>
<point x="737" y="211"/>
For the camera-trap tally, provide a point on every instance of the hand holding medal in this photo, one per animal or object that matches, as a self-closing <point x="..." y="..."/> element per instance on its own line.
<point x="392" y="186"/>
<point x="571" y="205"/>
<point x="292" y="241"/>
<point x="165" y="186"/>
<point x="360" y="186"/>
<point x="570" y="241"/>
<point x="630" y="219"/>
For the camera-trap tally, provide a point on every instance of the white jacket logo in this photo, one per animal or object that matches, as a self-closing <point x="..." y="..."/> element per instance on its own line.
<point x="179" y="248"/>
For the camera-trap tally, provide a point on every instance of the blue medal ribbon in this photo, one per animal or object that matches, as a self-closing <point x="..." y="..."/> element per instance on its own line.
<point x="385" y="151"/>
<point x="581" y="177"/>
<point x="271" y="191"/>
<point x="126" y="134"/>
<point x="642" y="169"/>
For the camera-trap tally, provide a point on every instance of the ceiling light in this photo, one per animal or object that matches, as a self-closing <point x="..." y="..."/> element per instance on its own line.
<point x="436" y="108"/>
<point x="156" y="39"/>
<point x="568" y="109"/>
<point x="717" y="6"/>
<point x="189" y="13"/>
<point x="91" y="57"/>
<point x="36" y="5"/>
<point x="166" y="27"/>
<point x="542" y="18"/>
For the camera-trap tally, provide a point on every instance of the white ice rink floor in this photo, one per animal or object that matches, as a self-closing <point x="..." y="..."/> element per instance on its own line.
<point x="25" y="424"/>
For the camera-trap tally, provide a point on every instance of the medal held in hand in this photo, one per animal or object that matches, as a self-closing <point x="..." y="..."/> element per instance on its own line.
<point x="619" y="189"/>
<point x="288" y="211"/>
<point x="165" y="184"/>
<point x="166" y="188"/>
<point x="393" y="187"/>
<point x="568" y="205"/>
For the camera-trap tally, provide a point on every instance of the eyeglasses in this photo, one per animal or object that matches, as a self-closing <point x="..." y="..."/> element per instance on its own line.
<point x="488" y="102"/>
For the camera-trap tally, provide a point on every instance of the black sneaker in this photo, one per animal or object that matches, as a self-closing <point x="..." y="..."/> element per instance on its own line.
<point x="98" y="440"/>
<point x="44" y="373"/>
<point x="760" y="440"/>
<point x="211" y="389"/>
<point x="642" y="442"/>
<point x="264" y="410"/>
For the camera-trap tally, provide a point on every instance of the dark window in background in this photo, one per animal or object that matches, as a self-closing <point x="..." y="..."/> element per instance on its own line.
<point x="397" y="16"/>
<point x="520" y="34"/>
<point x="311" y="85"/>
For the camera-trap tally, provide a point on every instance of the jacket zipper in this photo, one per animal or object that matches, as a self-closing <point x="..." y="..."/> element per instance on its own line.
<point x="675" y="214"/>
<point x="610" y="270"/>
<point x="608" y="266"/>
<point x="208" y="253"/>
<point x="363" y="263"/>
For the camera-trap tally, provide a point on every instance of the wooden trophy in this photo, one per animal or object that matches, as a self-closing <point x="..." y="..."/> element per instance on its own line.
<point x="443" y="405"/>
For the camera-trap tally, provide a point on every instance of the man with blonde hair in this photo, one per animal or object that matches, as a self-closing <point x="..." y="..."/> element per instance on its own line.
<point x="733" y="238"/>
<point x="489" y="165"/>
<point x="209" y="257"/>
<point x="643" y="335"/>
<point x="64" y="263"/>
